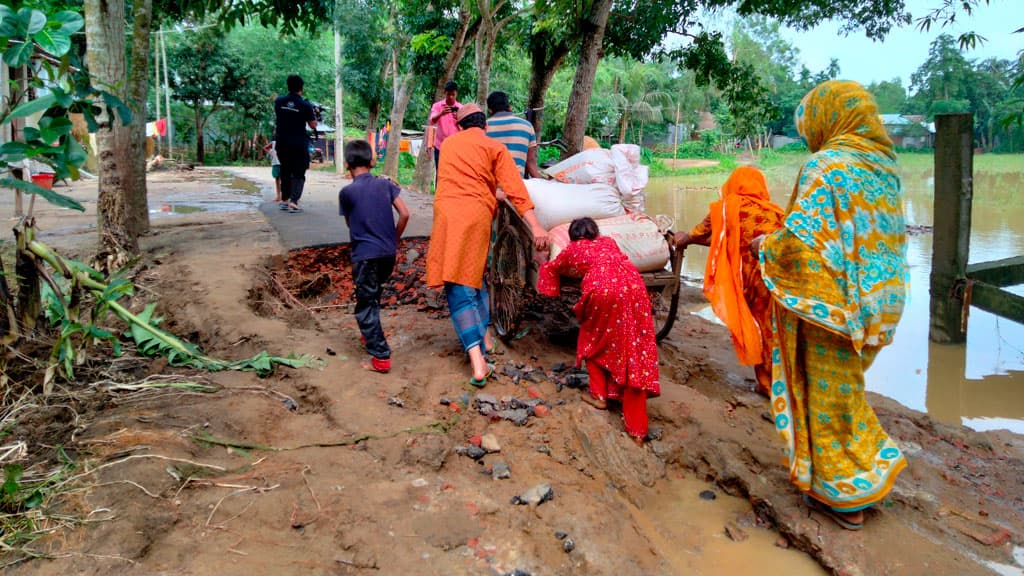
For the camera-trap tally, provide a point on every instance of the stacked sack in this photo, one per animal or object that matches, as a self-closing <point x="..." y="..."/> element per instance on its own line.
<point x="619" y="167"/>
<point x="607" y="186"/>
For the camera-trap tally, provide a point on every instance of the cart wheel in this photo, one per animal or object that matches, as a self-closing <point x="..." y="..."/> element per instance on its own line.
<point x="665" y="298"/>
<point x="508" y="281"/>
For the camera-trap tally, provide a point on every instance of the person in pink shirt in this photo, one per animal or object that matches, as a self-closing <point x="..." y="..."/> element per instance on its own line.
<point x="442" y="117"/>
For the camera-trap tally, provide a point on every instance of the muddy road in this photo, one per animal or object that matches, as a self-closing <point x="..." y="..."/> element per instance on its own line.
<point x="334" y="470"/>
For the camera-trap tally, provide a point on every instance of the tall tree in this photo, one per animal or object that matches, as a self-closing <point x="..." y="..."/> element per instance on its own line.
<point x="206" y="76"/>
<point x="550" y="42"/>
<point x="105" y="38"/>
<point x="122" y="213"/>
<point x="638" y="27"/>
<point x="366" y="56"/>
<point x="890" y="95"/>
<point x="639" y="94"/>
<point x="462" y="30"/>
<point x="495" y="15"/>
<point x="138" y="88"/>
<point x="944" y="76"/>
<point x="591" y="51"/>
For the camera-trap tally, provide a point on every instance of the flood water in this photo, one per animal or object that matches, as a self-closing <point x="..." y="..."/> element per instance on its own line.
<point x="980" y="385"/>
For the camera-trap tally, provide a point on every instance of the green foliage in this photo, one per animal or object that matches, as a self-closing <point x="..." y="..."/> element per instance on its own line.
<point x="891" y="96"/>
<point x="699" y="149"/>
<point x="288" y="15"/>
<point x="793" y="147"/>
<point x="406" y="168"/>
<point x="79" y="280"/>
<point x="548" y="155"/>
<point x="946" y="13"/>
<point x="947" y="82"/>
<point x="59" y="88"/>
<point x="15" y="496"/>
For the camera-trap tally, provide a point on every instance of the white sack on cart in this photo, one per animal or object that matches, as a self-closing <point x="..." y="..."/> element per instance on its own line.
<point x="630" y="176"/>
<point x="588" y="167"/>
<point x="557" y="203"/>
<point x="636" y="234"/>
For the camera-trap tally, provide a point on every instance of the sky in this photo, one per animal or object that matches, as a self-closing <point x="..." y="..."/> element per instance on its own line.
<point x="905" y="49"/>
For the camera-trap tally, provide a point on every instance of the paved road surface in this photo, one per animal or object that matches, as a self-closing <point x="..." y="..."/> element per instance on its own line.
<point x="319" y="224"/>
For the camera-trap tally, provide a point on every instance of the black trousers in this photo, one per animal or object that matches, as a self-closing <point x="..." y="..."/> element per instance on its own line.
<point x="294" y="163"/>
<point x="369" y="277"/>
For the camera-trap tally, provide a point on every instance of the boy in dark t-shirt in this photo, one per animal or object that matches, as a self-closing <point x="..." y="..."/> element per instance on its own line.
<point x="366" y="204"/>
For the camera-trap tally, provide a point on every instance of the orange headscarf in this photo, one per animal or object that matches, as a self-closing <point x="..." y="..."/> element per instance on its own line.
<point x="723" y="276"/>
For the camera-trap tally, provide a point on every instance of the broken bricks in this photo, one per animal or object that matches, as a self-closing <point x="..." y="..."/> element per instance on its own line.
<point x="509" y="408"/>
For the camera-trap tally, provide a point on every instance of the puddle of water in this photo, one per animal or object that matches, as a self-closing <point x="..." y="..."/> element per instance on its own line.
<point x="170" y="209"/>
<point x="240" y="185"/>
<point x="980" y="385"/>
<point x="689" y="534"/>
<point x="226" y="193"/>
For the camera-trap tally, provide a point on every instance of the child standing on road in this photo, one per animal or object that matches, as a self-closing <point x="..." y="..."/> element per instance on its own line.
<point x="275" y="170"/>
<point x="366" y="204"/>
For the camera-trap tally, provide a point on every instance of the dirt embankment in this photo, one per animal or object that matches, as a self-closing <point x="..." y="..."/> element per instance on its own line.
<point x="340" y="471"/>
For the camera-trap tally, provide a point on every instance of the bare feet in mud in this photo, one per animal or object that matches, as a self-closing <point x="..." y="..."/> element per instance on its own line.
<point x="599" y="404"/>
<point x="848" y="520"/>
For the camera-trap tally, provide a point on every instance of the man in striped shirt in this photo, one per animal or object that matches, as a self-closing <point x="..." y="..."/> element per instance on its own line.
<point x="515" y="133"/>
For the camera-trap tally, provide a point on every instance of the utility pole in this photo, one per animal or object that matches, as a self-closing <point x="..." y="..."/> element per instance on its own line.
<point x="156" y="83"/>
<point x="675" y="136"/>
<point x="167" y="95"/>
<point x="339" y="113"/>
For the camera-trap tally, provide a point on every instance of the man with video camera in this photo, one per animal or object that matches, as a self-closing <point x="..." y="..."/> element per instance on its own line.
<point x="293" y="113"/>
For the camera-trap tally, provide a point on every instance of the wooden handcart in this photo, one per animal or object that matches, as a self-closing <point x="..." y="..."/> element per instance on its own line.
<point x="512" y="269"/>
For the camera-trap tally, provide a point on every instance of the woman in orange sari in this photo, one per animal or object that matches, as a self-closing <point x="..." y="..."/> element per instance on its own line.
<point x="732" y="277"/>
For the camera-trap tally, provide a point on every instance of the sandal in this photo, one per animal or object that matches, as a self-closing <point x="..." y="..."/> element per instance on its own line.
<point x="835" y="515"/>
<point x="483" y="381"/>
<point x="295" y="210"/>
<point x="380" y="365"/>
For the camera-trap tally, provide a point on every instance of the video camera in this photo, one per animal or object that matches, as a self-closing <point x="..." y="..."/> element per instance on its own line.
<point x="318" y="110"/>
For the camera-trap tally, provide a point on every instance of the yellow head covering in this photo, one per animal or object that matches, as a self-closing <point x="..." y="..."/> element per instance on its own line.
<point x="841" y="113"/>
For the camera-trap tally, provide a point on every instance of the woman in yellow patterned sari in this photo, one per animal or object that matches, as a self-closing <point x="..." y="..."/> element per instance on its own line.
<point x="837" y="273"/>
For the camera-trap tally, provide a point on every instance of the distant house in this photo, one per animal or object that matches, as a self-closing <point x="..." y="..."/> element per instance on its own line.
<point x="909" y="131"/>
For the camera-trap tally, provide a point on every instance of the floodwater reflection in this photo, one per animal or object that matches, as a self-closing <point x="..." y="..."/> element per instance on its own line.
<point x="980" y="385"/>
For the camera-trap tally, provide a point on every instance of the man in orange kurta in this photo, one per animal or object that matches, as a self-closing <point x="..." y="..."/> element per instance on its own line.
<point x="732" y="278"/>
<point x="472" y="168"/>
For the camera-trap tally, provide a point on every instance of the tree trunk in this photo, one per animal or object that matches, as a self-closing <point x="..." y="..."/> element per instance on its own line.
<point x="486" y="38"/>
<point x="372" y="116"/>
<point x="483" y="65"/>
<point x="465" y="34"/>
<point x="623" y="126"/>
<point x="403" y="93"/>
<point x="138" y="92"/>
<point x="105" y="55"/>
<point x="590" y="54"/>
<point x="200" y="148"/>
<point x="544" y="63"/>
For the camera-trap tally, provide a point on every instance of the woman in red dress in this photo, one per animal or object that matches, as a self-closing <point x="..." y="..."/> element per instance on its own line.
<point x="616" y="327"/>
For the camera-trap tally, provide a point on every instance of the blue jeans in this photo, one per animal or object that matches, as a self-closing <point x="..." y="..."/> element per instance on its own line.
<point x="470" y="313"/>
<point x="369" y="277"/>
